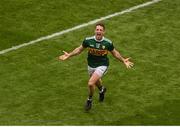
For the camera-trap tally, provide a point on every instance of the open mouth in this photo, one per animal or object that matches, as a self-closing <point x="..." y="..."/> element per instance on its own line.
<point x="98" y="34"/>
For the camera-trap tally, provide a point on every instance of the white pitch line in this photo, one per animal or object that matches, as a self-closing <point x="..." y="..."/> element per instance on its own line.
<point x="79" y="26"/>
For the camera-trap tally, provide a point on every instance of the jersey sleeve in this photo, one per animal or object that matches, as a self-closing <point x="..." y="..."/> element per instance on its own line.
<point x="85" y="44"/>
<point x="110" y="47"/>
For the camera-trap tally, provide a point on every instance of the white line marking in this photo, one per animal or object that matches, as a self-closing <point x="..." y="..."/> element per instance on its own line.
<point x="79" y="26"/>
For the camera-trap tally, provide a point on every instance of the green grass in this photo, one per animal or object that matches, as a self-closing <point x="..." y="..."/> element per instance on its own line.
<point x="26" y="20"/>
<point x="37" y="89"/>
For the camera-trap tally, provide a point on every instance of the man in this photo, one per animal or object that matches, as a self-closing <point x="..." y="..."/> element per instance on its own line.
<point x="98" y="62"/>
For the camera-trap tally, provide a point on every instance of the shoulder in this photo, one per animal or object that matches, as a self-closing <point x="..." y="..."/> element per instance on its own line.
<point x="109" y="44"/>
<point x="107" y="40"/>
<point x="87" y="41"/>
<point x="89" y="38"/>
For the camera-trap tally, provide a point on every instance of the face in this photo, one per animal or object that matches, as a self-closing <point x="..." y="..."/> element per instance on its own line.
<point x="99" y="32"/>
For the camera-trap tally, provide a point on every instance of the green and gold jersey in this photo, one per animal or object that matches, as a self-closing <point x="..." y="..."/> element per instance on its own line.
<point x="97" y="51"/>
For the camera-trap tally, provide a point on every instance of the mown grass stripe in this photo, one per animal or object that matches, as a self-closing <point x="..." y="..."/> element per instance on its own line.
<point x="79" y="26"/>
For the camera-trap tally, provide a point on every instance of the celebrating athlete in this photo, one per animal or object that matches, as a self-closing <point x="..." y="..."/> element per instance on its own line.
<point x="98" y="62"/>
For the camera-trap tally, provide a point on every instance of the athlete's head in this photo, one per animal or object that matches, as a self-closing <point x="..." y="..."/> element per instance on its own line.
<point x="99" y="31"/>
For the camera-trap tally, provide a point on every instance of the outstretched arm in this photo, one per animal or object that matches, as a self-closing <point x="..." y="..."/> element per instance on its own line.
<point x="76" y="51"/>
<point x="118" y="56"/>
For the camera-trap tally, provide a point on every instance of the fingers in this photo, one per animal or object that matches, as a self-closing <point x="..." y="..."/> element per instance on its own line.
<point x="62" y="57"/>
<point x="127" y="59"/>
<point x="129" y="64"/>
<point x="65" y="52"/>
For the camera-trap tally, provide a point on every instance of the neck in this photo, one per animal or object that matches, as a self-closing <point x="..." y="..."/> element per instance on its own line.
<point x="99" y="39"/>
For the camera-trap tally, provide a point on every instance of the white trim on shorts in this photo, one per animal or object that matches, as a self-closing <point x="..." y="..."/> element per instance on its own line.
<point x="101" y="70"/>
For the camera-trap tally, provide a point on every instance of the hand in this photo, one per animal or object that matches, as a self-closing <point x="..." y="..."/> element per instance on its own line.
<point x="65" y="56"/>
<point x="128" y="63"/>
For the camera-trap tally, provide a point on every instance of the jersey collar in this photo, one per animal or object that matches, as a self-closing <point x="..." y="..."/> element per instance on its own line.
<point x="99" y="40"/>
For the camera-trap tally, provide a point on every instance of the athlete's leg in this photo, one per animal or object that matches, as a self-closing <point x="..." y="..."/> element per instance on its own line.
<point x="92" y="83"/>
<point x="102" y="90"/>
<point x="99" y="84"/>
<point x="99" y="71"/>
<point x="95" y="80"/>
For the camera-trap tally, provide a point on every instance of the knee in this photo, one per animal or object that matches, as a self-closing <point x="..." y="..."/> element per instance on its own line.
<point x="91" y="83"/>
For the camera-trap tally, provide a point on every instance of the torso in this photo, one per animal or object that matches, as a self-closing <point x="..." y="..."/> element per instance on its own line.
<point x="97" y="51"/>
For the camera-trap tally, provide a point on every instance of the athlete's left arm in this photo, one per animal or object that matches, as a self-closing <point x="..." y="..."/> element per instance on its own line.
<point x="118" y="56"/>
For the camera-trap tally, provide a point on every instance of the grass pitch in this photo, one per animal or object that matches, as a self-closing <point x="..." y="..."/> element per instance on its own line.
<point x="37" y="89"/>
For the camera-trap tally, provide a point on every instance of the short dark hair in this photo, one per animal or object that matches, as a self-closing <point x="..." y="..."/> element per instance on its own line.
<point x="100" y="24"/>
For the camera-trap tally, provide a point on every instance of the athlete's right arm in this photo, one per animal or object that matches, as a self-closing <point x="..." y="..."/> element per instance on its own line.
<point x="67" y="55"/>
